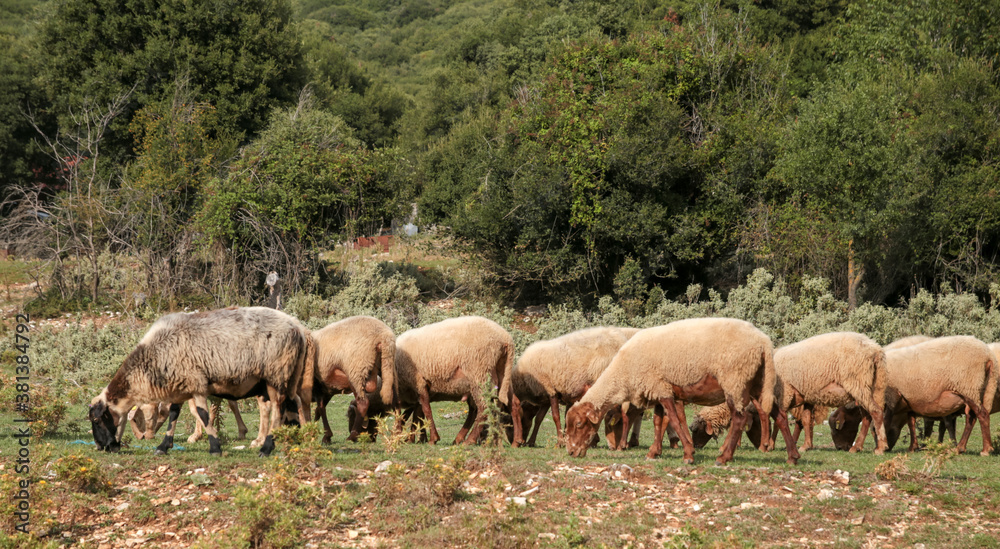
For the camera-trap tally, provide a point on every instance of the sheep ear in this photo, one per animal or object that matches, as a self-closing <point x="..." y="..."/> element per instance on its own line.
<point x="592" y="415"/>
<point x="97" y="410"/>
<point x="709" y="429"/>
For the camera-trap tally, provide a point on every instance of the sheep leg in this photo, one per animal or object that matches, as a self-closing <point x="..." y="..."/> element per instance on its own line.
<point x="636" y="420"/>
<point x="859" y="443"/>
<point x="659" y="427"/>
<point x="361" y="403"/>
<point x="950" y="423"/>
<point x="515" y="417"/>
<point x="539" y="417"/>
<point x="168" y="439"/>
<point x="475" y="405"/>
<point x="670" y="407"/>
<point x="264" y="406"/>
<point x="928" y="427"/>
<point x="560" y="436"/>
<point x="766" y="440"/>
<point x="781" y="422"/>
<point x="625" y="426"/>
<point x="739" y="420"/>
<point x="138" y="423"/>
<point x="204" y="417"/>
<point x="983" y="416"/>
<point x="196" y="435"/>
<point x="878" y="420"/>
<point x="277" y="405"/>
<point x="240" y="426"/>
<point x="470" y="417"/>
<point x="912" y="423"/>
<point x="321" y="403"/>
<point x="424" y="397"/>
<point x="807" y="426"/>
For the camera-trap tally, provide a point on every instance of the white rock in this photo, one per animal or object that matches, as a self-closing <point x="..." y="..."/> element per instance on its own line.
<point x="382" y="467"/>
<point x="546" y="535"/>
<point x="529" y="492"/>
<point x="825" y="494"/>
<point x="353" y="534"/>
<point x="517" y="501"/>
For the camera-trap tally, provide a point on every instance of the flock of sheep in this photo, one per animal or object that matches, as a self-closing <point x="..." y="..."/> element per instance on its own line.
<point x="603" y="374"/>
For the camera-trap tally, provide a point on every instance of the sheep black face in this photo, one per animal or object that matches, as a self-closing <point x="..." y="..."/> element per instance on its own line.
<point x="701" y="432"/>
<point x="844" y="423"/>
<point x="103" y="426"/>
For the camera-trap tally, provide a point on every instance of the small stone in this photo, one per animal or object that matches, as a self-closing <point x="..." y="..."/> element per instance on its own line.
<point x="382" y="467"/>
<point x="696" y="507"/>
<point x="882" y="489"/>
<point x="353" y="534"/>
<point x="842" y="477"/>
<point x="626" y="537"/>
<point x="546" y="535"/>
<point x="518" y="501"/>
<point x="529" y="492"/>
<point x="121" y="506"/>
<point x="161" y="469"/>
<point x="175" y="502"/>
<point x="858" y="520"/>
<point x="825" y="494"/>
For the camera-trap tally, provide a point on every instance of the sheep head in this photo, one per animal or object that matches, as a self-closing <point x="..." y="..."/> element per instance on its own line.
<point x="702" y="432"/>
<point x="844" y="422"/>
<point x="581" y="426"/>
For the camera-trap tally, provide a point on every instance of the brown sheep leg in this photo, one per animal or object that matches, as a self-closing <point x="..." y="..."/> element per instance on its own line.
<point x="659" y="427"/>
<point x="765" y="427"/>
<point x="912" y="423"/>
<point x="424" y="398"/>
<point x="781" y="423"/>
<point x="241" y="427"/>
<point x="515" y="417"/>
<point x="859" y="443"/>
<point x="878" y="420"/>
<point x="470" y="417"/>
<point x="475" y="405"/>
<point x="196" y="435"/>
<point x="735" y="432"/>
<point x="554" y="406"/>
<point x="984" y="424"/>
<point x="138" y="423"/>
<point x="264" y="407"/>
<point x="625" y="426"/>
<point x="670" y="407"/>
<point x="636" y="420"/>
<point x="361" y="405"/>
<point x="321" y="403"/>
<point x="539" y="417"/>
<point x="807" y="426"/>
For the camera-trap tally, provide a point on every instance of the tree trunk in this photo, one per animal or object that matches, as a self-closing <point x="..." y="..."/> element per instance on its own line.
<point x="854" y="275"/>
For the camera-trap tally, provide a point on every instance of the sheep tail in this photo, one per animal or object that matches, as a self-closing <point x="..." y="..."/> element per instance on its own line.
<point x="506" y="374"/>
<point x="881" y="381"/>
<point x="770" y="378"/>
<point x="991" y="385"/>
<point x="387" y="347"/>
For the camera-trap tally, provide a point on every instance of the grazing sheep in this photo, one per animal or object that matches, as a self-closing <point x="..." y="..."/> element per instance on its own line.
<point x="232" y="353"/>
<point x="358" y="350"/>
<point x="712" y="420"/>
<point x="907" y="341"/>
<point x="704" y="361"/>
<point x="833" y="369"/>
<point x="147" y="419"/>
<point x="934" y="379"/>
<point x="454" y="358"/>
<point x="560" y="370"/>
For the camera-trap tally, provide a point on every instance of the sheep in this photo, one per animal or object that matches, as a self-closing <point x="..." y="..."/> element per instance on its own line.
<point x="704" y="361"/>
<point x="562" y="369"/>
<point x="833" y="369"/>
<point x="147" y="419"/>
<point x="907" y="341"/>
<point x="232" y="353"/>
<point x="358" y="350"/>
<point x="712" y="420"/>
<point x="451" y="359"/>
<point x="935" y="379"/>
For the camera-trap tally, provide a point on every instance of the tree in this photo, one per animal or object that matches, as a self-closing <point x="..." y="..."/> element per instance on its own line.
<point x="243" y="58"/>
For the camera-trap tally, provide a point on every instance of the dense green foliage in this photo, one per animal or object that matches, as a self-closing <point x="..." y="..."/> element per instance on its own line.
<point x="574" y="149"/>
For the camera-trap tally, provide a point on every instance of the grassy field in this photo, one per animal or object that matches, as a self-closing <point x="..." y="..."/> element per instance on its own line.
<point x="315" y="496"/>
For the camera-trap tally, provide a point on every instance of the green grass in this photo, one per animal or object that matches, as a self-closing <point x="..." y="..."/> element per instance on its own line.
<point x="757" y="500"/>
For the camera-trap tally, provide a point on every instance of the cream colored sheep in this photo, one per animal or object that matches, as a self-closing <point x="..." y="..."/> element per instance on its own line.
<point x="451" y="359"/>
<point x="833" y="369"/>
<point x="933" y="379"/>
<point x="560" y="370"/>
<point x="360" y="348"/>
<point x="907" y="341"/>
<point x="703" y="361"/>
<point x="233" y="353"/>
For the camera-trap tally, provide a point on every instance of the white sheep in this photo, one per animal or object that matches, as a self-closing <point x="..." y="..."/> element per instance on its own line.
<point x="702" y="361"/>
<point x="907" y="341"/>
<point x="934" y="379"/>
<point x="358" y="350"/>
<point x="833" y="369"/>
<point x="560" y="370"/>
<point x="232" y="353"/>
<point x="453" y="359"/>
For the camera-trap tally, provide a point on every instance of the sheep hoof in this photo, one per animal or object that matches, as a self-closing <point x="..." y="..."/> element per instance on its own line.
<point x="327" y="439"/>
<point x="985" y="453"/>
<point x="213" y="446"/>
<point x="879" y="451"/>
<point x="854" y="450"/>
<point x="689" y="461"/>
<point x="192" y="439"/>
<point x="267" y="447"/>
<point x="803" y="449"/>
<point x="256" y="442"/>
<point x="720" y="463"/>
<point x="167" y="444"/>
<point x="792" y="461"/>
